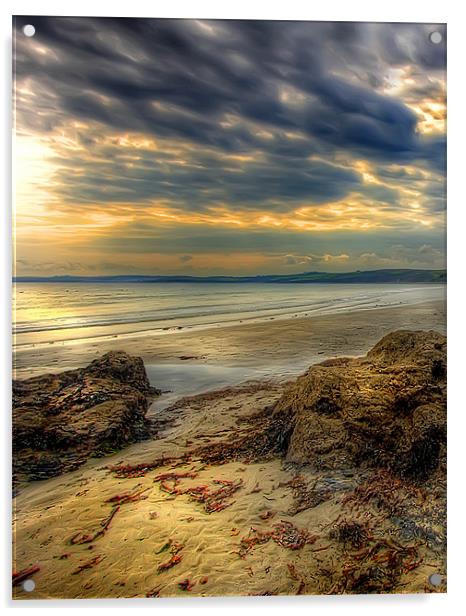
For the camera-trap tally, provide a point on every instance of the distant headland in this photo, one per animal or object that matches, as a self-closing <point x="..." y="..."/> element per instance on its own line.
<point x="395" y="276"/>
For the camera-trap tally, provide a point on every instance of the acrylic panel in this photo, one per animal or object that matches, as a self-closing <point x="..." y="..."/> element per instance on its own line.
<point x="229" y="347"/>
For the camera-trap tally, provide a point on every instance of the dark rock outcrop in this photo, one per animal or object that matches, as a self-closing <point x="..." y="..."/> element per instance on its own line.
<point x="387" y="409"/>
<point x="60" y="420"/>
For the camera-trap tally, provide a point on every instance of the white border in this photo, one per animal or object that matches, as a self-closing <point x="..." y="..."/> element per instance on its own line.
<point x="331" y="10"/>
<point x="449" y="11"/>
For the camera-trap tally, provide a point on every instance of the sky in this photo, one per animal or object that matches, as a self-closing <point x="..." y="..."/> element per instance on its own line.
<point x="208" y="147"/>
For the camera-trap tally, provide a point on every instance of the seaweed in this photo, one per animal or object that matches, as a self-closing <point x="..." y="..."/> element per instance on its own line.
<point x="376" y="568"/>
<point x="24" y="574"/>
<point x="213" y="499"/>
<point x="132" y="471"/>
<point x="128" y="497"/>
<point x="352" y="533"/>
<point x="80" y="538"/>
<point x="89" y="565"/>
<point x="174" y="560"/>
<point x="305" y="497"/>
<point x="284" y="533"/>
<point x="386" y="491"/>
<point x="186" y="584"/>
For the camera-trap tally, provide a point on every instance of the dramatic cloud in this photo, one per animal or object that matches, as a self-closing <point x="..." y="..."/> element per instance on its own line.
<point x="129" y="129"/>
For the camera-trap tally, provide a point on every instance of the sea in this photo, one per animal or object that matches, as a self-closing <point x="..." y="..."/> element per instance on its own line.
<point x="81" y="313"/>
<point x="48" y="312"/>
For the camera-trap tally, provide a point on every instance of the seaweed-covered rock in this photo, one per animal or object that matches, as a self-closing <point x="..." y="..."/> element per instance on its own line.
<point x="387" y="409"/>
<point x="59" y="420"/>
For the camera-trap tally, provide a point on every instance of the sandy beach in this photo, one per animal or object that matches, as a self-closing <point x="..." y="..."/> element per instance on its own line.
<point x="144" y="535"/>
<point x="159" y="539"/>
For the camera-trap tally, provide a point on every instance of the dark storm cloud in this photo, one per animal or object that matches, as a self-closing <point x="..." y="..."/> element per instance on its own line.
<point x="203" y="180"/>
<point x="410" y="44"/>
<point x="114" y="70"/>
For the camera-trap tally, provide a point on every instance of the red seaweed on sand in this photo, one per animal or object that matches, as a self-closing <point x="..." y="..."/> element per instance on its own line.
<point x="186" y="584"/>
<point x="89" y="565"/>
<point x="24" y="574"/>
<point x="284" y="534"/>
<point x="213" y="499"/>
<point x="81" y="538"/>
<point x="174" y="560"/>
<point x="175" y="547"/>
<point x="128" y="497"/>
<point x="131" y="471"/>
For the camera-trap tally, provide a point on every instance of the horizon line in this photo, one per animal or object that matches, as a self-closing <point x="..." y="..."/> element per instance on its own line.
<point x="228" y="276"/>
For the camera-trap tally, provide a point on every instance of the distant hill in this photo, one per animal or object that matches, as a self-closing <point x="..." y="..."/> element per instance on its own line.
<point x="373" y="276"/>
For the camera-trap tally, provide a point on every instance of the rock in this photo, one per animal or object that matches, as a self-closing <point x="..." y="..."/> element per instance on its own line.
<point x="60" y="420"/>
<point x="387" y="409"/>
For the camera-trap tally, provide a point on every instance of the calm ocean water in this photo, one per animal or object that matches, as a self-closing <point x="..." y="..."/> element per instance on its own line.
<point x="50" y="312"/>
